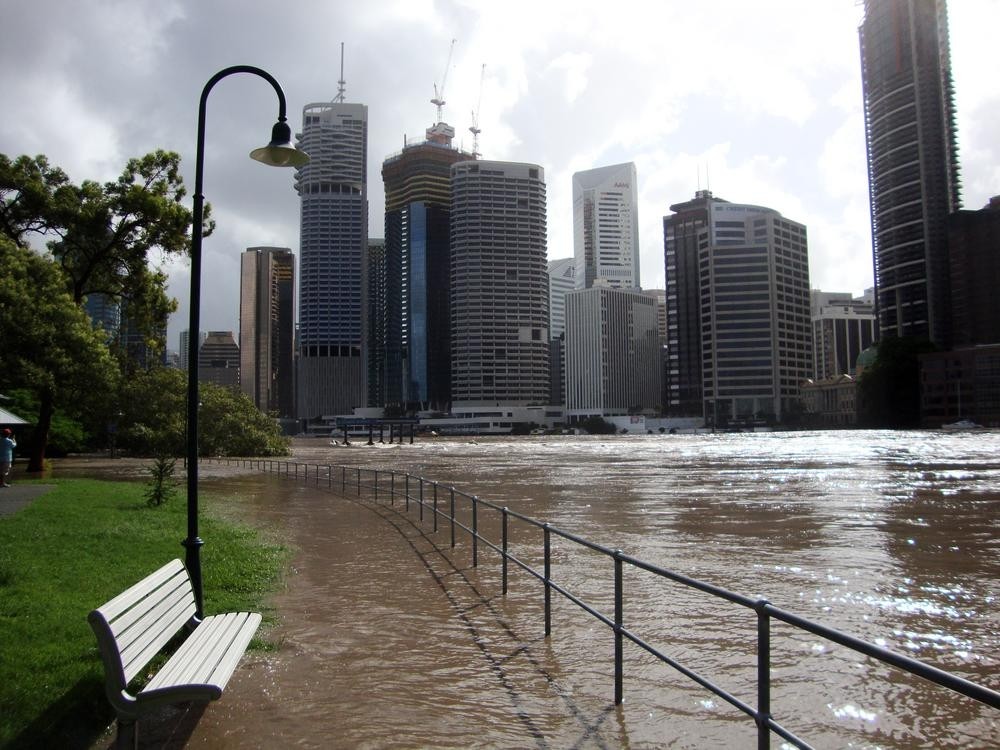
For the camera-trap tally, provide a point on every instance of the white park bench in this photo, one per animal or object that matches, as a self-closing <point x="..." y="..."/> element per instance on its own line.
<point x="135" y="626"/>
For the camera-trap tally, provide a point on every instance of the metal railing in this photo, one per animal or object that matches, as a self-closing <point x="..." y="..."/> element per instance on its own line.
<point x="413" y="489"/>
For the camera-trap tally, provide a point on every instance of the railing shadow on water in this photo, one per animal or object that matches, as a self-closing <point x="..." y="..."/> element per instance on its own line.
<point x="441" y="503"/>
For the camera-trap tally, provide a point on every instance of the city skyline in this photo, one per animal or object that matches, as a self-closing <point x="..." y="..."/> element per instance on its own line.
<point x="725" y="106"/>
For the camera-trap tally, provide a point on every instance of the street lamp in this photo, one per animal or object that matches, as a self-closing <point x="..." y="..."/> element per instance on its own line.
<point x="278" y="153"/>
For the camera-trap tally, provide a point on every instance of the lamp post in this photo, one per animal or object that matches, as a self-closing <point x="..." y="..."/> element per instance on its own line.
<point x="278" y="153"/>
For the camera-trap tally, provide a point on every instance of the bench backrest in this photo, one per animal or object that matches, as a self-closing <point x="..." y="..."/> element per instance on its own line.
<point x="134" y="626"/>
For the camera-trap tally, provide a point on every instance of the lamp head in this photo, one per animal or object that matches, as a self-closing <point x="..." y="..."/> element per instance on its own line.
<point x="280" y="152"/>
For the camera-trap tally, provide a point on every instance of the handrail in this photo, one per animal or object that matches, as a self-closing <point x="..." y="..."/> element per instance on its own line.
<point x="765" y="611"/>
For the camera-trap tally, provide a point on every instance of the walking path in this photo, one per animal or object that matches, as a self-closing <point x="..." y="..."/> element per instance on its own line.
<point x="15" y="497"/>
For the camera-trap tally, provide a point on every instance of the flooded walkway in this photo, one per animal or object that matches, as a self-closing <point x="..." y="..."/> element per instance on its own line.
<point x="385" y="642"/>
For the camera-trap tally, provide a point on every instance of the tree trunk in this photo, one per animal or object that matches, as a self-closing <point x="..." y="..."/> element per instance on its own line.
<point x="36" y="457"/>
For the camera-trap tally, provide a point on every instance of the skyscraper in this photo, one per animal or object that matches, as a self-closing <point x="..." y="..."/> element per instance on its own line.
<point x="418" y="270"/>
<point x="377" y="320"/>
<point x="843" y="327"/>
<point x="912" y="163"/>
<point x="742" y="273"/>
<point x="332" y="366"/>
<point x="499" y="284"/>
<point x="562" y="280"/>
<point x="606" y="227"/>
<point x="267" y="328"/>
<point x="219" y="360"/>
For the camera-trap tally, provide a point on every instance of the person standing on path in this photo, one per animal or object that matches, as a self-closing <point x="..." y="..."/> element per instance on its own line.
<point x="7" y="446"/>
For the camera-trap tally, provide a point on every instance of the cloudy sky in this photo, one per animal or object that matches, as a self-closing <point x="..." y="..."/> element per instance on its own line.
<point x="759" y="101"/>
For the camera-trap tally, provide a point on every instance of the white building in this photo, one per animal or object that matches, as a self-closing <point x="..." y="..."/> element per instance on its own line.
<point x="606" y="227"/>
<point x="562" y="279"/>
<point x="333" y="247"/>
<point x="843" y="327"/>
<point x="613" y="353"/>
<point x="499" y="284"/>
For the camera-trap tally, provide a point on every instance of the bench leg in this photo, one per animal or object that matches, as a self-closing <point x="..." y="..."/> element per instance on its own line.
<point x="128" y="736"/>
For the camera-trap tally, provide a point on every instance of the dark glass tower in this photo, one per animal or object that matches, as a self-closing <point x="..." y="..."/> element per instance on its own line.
<point x="417" y="358"/>
<point x="912" y="163"/>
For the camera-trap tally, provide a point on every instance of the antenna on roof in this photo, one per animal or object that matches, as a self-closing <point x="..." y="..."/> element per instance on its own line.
<point x="341" y="83"/>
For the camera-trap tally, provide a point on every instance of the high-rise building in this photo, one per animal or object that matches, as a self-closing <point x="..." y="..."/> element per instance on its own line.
<point x="685" y="231"/>
<point x="974" y="246"/>
<point x="606" y="227"/>
<point x="613" y="357"/>
<point x="267" y="329"/>
<point x="182" y="353"/>
<point x="843" y="327"/>
<point x="219" y="360"/>
<point x="418" y="270"/>
<point x="913" y="178"/>
<point x="499" y="284"/>
<point x="562" y="280"/>
<point x="332" y="366"/>
<point x="751" y="333"/>
<point x="377" y="322"/>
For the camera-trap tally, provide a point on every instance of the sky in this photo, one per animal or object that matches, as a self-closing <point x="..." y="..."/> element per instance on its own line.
<point x="758" y="101"/>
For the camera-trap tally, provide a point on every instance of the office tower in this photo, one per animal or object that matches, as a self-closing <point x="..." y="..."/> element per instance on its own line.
<point x="105" y="313"/>
<point x="377" y="321"/>
<point x="182" y="352"/>
<point x="219" y="360"/>
<point x="332" y="366"/>
<point x="606" y="227"/>
<point x="418" y="270"/>
<point x="684" y="232"/>
<point x="267" y="329"/>
<point x="913" y="176"/>
<point x="499" y="285"/>
<point x="660" y="295"/>
<point x="613" y="358"/>
<point x="749" y="299"/>
<point x="562" y="280"/>
<point x="843" y="327"/>
<point x="974" y="246"/>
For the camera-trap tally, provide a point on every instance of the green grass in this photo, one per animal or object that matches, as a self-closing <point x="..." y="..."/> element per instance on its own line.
<point x="70" y="551"/>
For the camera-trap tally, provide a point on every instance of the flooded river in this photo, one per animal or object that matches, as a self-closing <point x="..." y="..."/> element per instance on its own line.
<point x="391" y="639"/>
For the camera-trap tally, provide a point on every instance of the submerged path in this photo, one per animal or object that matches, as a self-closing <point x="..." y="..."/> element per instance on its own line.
<point x="384" y="641"/>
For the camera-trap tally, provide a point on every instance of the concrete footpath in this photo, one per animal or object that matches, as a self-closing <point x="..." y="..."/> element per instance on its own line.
<point x="15" y="497"/>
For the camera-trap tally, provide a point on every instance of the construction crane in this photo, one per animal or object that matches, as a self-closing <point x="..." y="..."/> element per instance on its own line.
<point x="475" y="130"/>
<point x="438" y="99"/>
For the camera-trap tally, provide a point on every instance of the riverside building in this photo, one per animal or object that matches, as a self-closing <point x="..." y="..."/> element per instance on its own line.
<point x="417" y="361"/>
<point x="606" y="227"/>
<point x="912" y="163"/>
<point x="737" y="309"/>
<point x="267" y="329"/>
<point x="843" y="327"/>
<point x="613" y="360"/>
<point x="499" y="284"/>
<point x="332" y="366"/>
<point x="219" y="360"/>
<point x="562" y="281"/>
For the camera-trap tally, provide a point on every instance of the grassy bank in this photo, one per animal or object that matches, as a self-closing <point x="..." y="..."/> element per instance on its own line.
<point x="70" y="551"/>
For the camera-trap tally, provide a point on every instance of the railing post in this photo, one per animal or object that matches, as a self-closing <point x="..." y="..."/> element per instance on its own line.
<point x="475" y="532"/>
<point x="618" y="627"/>
<point x="329" y="475"/>
<point x="452" y="490"/>
<point x="504" y="547"/>
<point x="763" y="675"/>
<point x="548" y="579"/>
<point x="421" y="498"/>
<point x="435" y="506"/>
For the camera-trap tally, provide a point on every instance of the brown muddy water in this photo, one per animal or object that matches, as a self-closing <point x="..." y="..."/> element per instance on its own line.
<point x="389" y="638"/>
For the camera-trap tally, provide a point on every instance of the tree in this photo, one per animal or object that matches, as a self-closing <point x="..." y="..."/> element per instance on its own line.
<point x="889" y="390"/>
<point x="105" y="236"/>
<point x="154" y="419"/>
<point x="30" y="190"/>
<point x="47" y="342"/>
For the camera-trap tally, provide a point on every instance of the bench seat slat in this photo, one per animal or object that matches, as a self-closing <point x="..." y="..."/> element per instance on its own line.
<point x="113" y="608"/>
<point x="209" y="655"/>
<point x="159" y="628"/>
